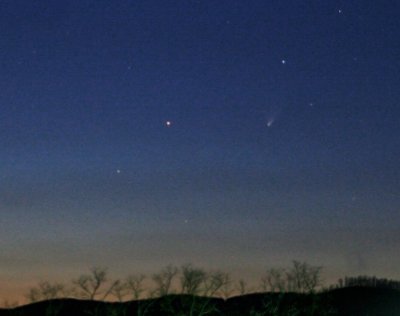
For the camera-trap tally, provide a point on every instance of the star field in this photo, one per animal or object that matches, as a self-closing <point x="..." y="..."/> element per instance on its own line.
<point x="231" y="134"/>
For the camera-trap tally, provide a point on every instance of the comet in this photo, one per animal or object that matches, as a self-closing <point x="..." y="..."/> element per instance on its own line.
<point x="270" y="121"/>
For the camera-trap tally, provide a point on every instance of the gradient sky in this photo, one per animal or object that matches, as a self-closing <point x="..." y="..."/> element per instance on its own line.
<point x="284" y="140"/>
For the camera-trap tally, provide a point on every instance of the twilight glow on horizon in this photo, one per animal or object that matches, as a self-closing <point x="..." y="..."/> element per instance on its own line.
<point x="233" y="135"/>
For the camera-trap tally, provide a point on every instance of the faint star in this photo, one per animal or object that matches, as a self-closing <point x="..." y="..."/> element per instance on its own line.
<point x="311" y="104"/>
<point x="283" y="61"/>
<point x="340" y="11"/>
<point x="118" y="171"/>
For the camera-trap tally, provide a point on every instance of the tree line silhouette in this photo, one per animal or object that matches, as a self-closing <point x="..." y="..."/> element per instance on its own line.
<point x="301" y="277"/>
<point x="297" y="289"/>
<point x="369" y="281"/>
<point x="188" y="290"/>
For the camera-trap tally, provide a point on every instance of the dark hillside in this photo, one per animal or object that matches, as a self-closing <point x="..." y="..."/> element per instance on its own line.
<point x="167" y="305"/>
<point x="365" y="301"/>
<point x="355" y="301"/>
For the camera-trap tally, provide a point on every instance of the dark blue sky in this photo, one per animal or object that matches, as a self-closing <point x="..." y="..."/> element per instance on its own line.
<point x="284" y="140"/>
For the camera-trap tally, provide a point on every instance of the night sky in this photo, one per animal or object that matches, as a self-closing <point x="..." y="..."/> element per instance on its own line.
<point x="235" y="135"/>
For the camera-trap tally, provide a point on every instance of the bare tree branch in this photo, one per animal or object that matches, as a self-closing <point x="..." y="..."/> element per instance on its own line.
<point x="192" y="279"/>
<point x="46" y="291"/>
<point x="164" y="280"/>
<point x="88" y="286"/>
<point x="134" y="284"/>
<point x="241" y="287"/>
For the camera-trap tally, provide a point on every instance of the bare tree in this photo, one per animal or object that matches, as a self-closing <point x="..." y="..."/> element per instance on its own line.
<point x="274" y="280"/>
<point x="215" y="283"/>
<point x="90" y="286"/>
<point x="200" y="287"/>
<point x="46" y="291"/>
<point x="164" y="280"/>
<point x="226" y="288"/>
<point x="303" y="277"/>
<point x="241" y="287"/>
<point x="192" y="279"/>
<point x="119" y="290"/>
<point x="134" y="285"/>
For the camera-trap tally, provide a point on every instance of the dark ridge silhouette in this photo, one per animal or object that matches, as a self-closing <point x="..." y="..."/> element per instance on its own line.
<point x="360" y="300"/>
<point x="270" y="304"/>
<point x="354" y="301"/>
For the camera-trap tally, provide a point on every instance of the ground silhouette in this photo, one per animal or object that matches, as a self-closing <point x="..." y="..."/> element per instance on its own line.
<point x="353" y="301"/>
